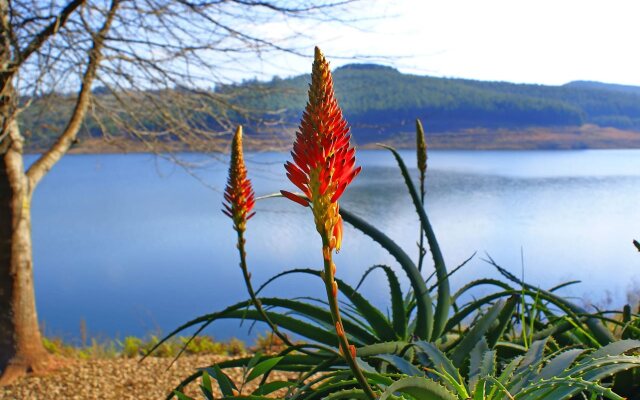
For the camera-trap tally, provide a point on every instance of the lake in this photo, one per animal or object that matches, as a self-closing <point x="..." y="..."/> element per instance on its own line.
<point x="133" y="244"/>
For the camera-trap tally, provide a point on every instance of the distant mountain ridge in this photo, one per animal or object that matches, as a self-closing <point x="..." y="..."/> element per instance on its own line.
<point x="379" y="101"/>
<point x="381" y="104"/>
<point x="604" y="86"/>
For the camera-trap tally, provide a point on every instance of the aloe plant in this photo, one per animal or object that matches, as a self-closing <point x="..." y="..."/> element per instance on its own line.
<point x="532" y="376"/>
<point x="517" y="342"/>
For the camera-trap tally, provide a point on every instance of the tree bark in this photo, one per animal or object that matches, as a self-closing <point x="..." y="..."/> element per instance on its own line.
<point x="21" y="347"/>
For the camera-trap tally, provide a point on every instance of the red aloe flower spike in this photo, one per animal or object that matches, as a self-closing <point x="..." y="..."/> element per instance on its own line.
<point x="238" y="195"/>
<point x="323" y="165"/>
<point x="323" y="160"/>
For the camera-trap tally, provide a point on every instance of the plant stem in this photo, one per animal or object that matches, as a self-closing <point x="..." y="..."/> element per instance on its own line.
<point x="332" y="295"/>
<point x="421" y="248"/>
<point x="254" y="299"/>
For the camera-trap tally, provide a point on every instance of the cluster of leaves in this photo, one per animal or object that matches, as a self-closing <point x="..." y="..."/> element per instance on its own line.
<point x="518" y="342"/>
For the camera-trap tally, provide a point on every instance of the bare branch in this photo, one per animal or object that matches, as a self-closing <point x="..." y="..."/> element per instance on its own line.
<point x="64" y="141"/>
<point x="46" y="33"/>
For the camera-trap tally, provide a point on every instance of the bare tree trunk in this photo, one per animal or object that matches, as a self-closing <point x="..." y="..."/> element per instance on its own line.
<point x="21" y="348"/>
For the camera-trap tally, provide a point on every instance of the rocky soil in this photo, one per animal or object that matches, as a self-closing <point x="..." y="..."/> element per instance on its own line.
<point x="117" y="378"/>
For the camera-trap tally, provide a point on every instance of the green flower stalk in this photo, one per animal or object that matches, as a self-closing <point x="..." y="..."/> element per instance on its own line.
<point x="323" y="166"/>
<point x="421" y="150"/>
<point x="238" y="205"/>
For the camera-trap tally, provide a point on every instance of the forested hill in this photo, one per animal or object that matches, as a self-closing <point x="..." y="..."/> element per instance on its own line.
<point x="381" y="105"/>
<point x="379" y="101"/>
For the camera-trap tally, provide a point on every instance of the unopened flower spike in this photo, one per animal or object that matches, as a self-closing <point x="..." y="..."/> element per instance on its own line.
<point x="421" y="148"/>
<point x="238" y="195"/>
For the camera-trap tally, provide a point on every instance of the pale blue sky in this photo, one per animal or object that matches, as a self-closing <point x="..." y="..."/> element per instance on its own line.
<point x="542" y="41"/>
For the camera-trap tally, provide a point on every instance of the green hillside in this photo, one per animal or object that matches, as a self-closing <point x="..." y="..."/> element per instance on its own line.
<point x="379" y="100"/>
<point x="381" y="104"/>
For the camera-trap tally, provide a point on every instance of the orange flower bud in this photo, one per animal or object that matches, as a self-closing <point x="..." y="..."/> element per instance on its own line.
<point x="339" y="329"/>
<point x="352" y="350"/>
<point x="239" y="197"/>
<point x="337" y="233"/>
<point x="326" y="253"/>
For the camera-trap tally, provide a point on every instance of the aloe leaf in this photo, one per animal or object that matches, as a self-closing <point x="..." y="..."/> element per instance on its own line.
<point x="598" y="368"/>
<point x="481" y="363"/>
<point x="479" y="393"/>
<point x="563" y="285"/>
<point x="601" y="333"/>
<point x="557" y="365"/>
<point x="528" y="368"/>
<point x="475" y="334"/>
<point x="311" y="361"/>
<point x="379" y="323"/>
<point x="180" y="395"/>
<point x="479" y="282"/>
<point x="585" y="372"/>
<point x="295" y="325"/>
<point x="440" y="361"/>
<point x="424" y="325"/>
<point x="321" y="314"/>
<point x="444" y="295"/>
<point x="496" y="332"/>
<point x="419" y="388"/>
<point x="450" y="273"/>
<point x="564" y="388"/>
<point x="364" y="366"/>
<point x="505" y="376"/>
<point x="371" y="314"/>
<point x="206" y="388"/>
<point x="336" y="385"/>
<point x="348" y="394"/>
<point x="177" y="391"/>
<point x="254" y="360"/>
<point x="400" y="363"/>
<point x="226" y="385"/>
<point x="615" y="348"/>
<point x="381" y="348"/>
<point x="271" y="387"/>
<point x="398" y="313"/>
<point x="459" y="316"/>
<point x="263" y="367"/>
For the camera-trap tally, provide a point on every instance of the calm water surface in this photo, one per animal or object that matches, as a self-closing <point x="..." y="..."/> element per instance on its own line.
<point x="133" y="244"/>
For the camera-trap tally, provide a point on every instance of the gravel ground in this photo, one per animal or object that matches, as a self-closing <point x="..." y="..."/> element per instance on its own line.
<point x="117" y="378"/>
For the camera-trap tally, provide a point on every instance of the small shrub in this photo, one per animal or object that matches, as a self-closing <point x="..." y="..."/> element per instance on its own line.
<point x="132" y="347"/>
<point x="53" y="346"/>
<point x="166" y="349"/>
<point x="203" y="345"/>
<point x="236" y="347"/>
<point x="268" y="344"/>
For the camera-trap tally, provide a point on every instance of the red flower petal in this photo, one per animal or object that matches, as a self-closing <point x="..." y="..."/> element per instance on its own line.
<point x="303" y="202"/>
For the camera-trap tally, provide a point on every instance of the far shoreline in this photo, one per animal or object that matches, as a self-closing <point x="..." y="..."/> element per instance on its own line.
<point x="586" y="137"/>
